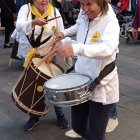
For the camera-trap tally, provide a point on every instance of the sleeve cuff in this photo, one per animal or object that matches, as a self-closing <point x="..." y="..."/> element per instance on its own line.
<point x="77" y="49"/>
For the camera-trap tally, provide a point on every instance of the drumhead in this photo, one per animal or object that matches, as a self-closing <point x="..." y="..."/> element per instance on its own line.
<point x="67" y="81"/>
<point x="44" y="68"/>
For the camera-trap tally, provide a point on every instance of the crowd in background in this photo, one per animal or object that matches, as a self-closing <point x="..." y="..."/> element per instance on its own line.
<point x="69" y="10"/>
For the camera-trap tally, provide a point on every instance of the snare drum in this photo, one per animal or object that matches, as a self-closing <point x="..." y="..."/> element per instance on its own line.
<point x="68" y="89"/>
<point x="28" y="93"/>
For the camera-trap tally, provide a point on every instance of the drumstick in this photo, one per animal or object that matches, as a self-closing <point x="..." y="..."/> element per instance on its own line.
<point x="49" y="45"/>
<point x="52" y="18"/>
<point x="50" y="69"/>
<point x="45" y="58"/>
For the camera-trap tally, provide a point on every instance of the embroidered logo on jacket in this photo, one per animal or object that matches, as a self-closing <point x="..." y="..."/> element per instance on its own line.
<point x="53" y="28"/>
<point x="95" y="38"/>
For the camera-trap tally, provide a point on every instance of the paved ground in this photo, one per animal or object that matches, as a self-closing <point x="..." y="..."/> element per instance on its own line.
<point x="12" y="119"/>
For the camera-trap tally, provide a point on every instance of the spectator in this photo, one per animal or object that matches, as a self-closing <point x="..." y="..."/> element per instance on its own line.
<point x="133" y="7"/>
<point x="136" y="22"/>
<point x="8" y="17"/>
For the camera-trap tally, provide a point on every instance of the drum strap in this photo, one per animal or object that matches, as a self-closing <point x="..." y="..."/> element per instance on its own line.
<point x="36" y="43"/>
<point x="70" y="69"/>
<point x="108" y="69"/>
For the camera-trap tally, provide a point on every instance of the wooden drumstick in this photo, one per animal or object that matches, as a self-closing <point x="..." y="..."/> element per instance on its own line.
<point x="49" y="53"/>
<point x="50" y="69"/>
<point x="45" y="58"/>
<point x="52" y="18"/>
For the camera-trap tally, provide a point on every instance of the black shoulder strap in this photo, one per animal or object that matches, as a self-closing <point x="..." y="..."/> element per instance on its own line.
<point x="54" y="12"/>
<point x="35" y="43"/>
<point x="108" y="69"/>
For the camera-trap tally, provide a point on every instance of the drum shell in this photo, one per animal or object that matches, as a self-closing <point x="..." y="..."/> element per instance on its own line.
<point x="68" y="97"/>
<point x="24" y="102"/>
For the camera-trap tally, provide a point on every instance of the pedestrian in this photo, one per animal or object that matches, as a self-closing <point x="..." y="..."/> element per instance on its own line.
<point x="8" y="17"/>
<point x="96" y="46"/>
<point x="136" y="22"/>
<point x="133" y="7"/>
<point x="33" y="29"/>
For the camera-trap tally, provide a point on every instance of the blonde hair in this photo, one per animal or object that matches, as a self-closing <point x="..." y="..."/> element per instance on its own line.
<point x="102" y="3"/>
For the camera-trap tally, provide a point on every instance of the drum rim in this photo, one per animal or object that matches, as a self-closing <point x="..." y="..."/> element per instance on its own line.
<point x="68" y="89"/>
<point x="44" y="75"/>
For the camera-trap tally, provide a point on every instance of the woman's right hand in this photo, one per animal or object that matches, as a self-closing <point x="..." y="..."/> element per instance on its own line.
<point x="39" y="22"/>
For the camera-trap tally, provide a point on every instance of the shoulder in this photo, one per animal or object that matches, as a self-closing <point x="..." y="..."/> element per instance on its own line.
<point x="25" y="6"/>
<point x="56" y="11"/>
<point x="110" y="13"/>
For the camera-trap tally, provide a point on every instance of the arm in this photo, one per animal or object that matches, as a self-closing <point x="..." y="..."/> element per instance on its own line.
<point x="107" y="46"/>
<point x="124" y="5"/>
<point x="103" y="49"/>
<point x="135" y="23"/>
<point x="10" y="6"/>
<point x="23" y="24"/>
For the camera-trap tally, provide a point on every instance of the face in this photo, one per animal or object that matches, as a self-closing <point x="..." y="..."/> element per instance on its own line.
<point x="41" y="5"/>
<point x="91" y="8"/>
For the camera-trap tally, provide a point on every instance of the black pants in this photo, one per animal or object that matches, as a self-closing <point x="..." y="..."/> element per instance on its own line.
<point x="90" y="120"/>
<point x="8" y="31"/>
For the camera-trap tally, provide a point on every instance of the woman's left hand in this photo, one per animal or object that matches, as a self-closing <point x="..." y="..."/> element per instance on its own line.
<point x="64" y="50"/>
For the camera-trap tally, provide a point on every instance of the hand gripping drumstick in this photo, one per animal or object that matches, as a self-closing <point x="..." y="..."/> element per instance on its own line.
<point x="49" y="53"/>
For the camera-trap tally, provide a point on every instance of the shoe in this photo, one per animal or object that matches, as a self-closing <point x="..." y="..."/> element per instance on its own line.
<point x="112" y="124"/>
<point x="12" y="44"/>
<point x="7" y="45"/>
<point x="62" y="122"/>
<point x="31" y="123"/>
<point x="72" y="134"/>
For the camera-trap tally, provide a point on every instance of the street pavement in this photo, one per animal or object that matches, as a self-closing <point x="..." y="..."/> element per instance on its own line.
<point x="12" y="119"/>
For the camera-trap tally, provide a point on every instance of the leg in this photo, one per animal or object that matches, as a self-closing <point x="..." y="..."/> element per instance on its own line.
<point x="62" y="122"/>
<point x="34" y="120"/>
<point x="113" y="120"/>
<point x="80" y="118"/>
<point x="7" y="35"/>
<point x="8" y="31"/>
<point x="113" y="112"/>
<point x="98" y="119"/>
<point x="133" y="7"/>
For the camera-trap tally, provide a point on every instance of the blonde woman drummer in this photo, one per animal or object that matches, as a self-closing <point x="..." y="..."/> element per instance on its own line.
<point x="96" y="46"/>
<point x="34" y="32"/>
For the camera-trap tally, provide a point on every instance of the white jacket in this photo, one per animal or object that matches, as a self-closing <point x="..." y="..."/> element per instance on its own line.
<point x="96" y="46"/>
<point x="24" y="27"/>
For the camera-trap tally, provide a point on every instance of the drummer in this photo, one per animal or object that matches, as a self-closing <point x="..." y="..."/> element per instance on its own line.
<point x="34" y="31"/>
<point x="96" y="46"/>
